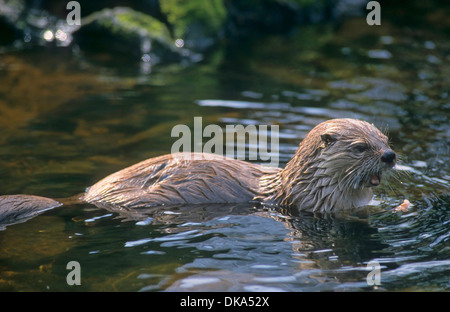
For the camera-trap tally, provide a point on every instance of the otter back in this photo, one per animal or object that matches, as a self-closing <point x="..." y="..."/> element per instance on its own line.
<point x="19" y="208"/>
<point x="182" y="178"/>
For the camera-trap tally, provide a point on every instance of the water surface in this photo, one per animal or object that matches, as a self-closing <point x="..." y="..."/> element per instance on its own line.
<point x="67" y="122"/>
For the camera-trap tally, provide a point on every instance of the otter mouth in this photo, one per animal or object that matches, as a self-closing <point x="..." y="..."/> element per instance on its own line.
<point x="375" y="179"/>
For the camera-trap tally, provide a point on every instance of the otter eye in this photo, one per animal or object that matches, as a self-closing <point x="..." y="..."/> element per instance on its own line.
<point x="359" y="148"/>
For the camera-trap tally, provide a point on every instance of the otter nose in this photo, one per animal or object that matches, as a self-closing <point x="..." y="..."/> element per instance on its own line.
<point x="388" y="156"/>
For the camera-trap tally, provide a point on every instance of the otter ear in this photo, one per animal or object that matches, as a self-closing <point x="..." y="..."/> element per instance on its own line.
<point x="328" y="138"/>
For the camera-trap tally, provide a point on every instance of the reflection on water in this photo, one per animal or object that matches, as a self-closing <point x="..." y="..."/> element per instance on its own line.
<point x="66" y="123"/>
<point x="229" y="248"/>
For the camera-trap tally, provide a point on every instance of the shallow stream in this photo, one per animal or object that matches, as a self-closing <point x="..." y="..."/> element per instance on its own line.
<point x="67" y="121"/>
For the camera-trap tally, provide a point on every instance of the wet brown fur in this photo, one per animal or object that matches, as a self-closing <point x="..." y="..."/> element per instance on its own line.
<point x="331" y="171"/>
<point x="327" y="173"/>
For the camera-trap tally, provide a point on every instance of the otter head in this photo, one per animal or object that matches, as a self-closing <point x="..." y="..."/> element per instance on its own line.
<point x="336" y="165"/>
<point x="355" y="152"/>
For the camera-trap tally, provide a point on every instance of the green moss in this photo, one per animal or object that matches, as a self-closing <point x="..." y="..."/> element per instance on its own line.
<point x="127" y="32"/>
<point x="181" y="14"/>
<point x="125" y="21"/>
<point x="136" y="21"/>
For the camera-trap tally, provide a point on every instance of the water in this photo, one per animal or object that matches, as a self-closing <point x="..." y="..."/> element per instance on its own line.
<point x="67" y="122"/>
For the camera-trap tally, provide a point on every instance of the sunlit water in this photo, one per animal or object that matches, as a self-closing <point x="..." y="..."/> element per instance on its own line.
<point x="73" y="123"/>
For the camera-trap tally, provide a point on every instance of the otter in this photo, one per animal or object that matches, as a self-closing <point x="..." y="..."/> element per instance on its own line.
<point x="334" y="169"/>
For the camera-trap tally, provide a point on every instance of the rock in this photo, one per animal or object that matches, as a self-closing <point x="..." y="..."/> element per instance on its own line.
<point x="129" y="33"/>
<point x="197" y="22"/>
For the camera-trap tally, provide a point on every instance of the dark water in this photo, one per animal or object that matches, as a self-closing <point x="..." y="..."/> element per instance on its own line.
<point x="68" y="121"/>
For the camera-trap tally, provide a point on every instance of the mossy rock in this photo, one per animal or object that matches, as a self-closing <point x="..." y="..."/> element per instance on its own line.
<point x="128" y="33"/>
<point x="197" y="22"/>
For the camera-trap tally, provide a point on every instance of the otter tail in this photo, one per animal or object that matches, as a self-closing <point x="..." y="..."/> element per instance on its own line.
<point x="20" y="208"/>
